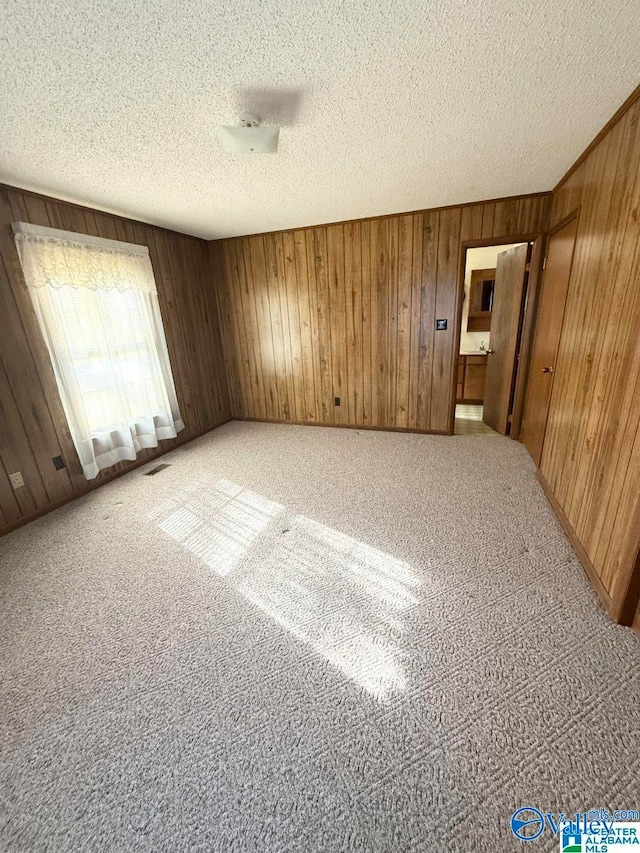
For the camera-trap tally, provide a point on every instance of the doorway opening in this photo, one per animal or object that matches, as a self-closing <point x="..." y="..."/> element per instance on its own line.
<point x="496" y="281"/>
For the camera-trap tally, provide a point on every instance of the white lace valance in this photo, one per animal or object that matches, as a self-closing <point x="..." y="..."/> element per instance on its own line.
<point x="52" y="258"/>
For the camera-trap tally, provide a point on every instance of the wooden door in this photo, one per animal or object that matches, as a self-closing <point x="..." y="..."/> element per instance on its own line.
<point x="506" y="318"/>
<point x="547" y="338"/>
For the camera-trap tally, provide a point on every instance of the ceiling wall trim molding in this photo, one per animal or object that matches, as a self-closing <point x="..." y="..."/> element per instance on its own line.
<point x="615" y="118"/>
<point x="45" y="197"/>
<point x="542" y="194"/>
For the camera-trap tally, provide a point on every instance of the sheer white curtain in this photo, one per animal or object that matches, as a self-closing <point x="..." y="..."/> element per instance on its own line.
<point x="97" y="305"/>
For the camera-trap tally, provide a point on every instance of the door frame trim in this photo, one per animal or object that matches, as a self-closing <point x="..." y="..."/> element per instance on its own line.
<point x="575" y="214"/>
<point x="537" y="238"/>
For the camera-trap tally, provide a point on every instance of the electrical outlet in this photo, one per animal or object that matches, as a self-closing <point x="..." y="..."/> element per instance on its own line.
<point x="16" y="480"/>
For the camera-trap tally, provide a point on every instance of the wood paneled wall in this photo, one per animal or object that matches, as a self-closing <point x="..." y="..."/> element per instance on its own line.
<point x="33" y="427"/>
<point x="591" y="454"/>
<point x="349" y="311"/>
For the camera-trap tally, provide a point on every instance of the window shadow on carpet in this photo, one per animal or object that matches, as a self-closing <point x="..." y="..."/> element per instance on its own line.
<point x="343" y="597"/>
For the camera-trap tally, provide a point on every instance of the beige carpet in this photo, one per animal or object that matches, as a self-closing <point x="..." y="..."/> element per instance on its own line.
<point x="301" y="639"/>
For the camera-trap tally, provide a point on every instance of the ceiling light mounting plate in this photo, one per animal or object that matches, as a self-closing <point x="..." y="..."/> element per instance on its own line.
<point x="250" y="137"/>
<point x="249" y="120"/>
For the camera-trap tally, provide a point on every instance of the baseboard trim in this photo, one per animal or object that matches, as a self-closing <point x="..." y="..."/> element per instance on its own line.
<point x="27" y="519"/>
<point x="342" y="426"/>
<point x="581" y="554"/>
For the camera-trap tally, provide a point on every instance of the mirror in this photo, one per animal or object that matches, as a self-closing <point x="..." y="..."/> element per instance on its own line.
<point x="481" y="300"/>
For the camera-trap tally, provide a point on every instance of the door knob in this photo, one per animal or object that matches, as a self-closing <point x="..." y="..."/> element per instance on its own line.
<point x="547" y="369"/>
<point x="490" y="352"/>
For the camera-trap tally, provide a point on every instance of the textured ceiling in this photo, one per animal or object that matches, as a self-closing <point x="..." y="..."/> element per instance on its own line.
<point x="385" y="106"/>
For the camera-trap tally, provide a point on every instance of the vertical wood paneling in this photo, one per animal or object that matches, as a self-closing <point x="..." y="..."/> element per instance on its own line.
<point x="417" y="222"/>
<point x="365" y="277"/>
<point x="613" y="326"/>
<point x="591" y="454"/>
<point x="444" y="362"/>
<point x="245" y="318"/>
<point x="379" y="321"/>
<point x="320" y="259"/>
<point x="9" y="506"/>
<point x="235" y="352"/>
<point x="428" y="285"/>
<point x="291" y="329"/>
<point x="33" y="427"/>
<point x="280" y="367"/>
<point x="356" y="314"/>
<point x="298" y="290"/>
<point x="337" y="311"/>
<point x="18" y="351"/>
<point x="290" y="336"/>
<point x="404" y="319"/>
<point x="488" y="216"/>
<point x="315" y="325"/>
<point x="392" y="326"/>
<point x="16" y="449"/>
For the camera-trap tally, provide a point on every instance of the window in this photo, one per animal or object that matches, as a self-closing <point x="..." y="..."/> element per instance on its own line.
<point x="97" y="305"/>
